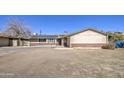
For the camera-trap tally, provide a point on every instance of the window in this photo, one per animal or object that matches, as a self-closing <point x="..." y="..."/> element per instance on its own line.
<point x="42" y="40"/>
<point x="51" y="40"/>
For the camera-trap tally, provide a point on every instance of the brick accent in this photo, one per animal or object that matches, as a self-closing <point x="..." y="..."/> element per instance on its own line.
<point x="88" y="45"/>
<point x="41" y="43"/>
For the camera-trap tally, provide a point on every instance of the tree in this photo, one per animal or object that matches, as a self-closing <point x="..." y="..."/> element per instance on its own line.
<point x="119" y="37"/>
<point x="115" y="36"/>
<point x="110" y="36"/>
<point x="16" y="28"/>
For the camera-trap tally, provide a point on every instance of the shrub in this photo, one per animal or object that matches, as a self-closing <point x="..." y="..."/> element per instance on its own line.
<point x="108" y="46"/>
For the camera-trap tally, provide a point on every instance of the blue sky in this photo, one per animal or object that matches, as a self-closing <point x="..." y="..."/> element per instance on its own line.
<point x="56" y="24"/>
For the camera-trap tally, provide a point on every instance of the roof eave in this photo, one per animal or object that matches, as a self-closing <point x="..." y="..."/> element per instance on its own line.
<point x="87" y="30"/>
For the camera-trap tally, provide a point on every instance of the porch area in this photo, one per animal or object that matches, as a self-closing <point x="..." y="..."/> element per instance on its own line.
<point x="49" y="40"/>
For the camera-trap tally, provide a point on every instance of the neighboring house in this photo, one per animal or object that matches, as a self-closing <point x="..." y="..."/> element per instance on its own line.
<point x="86" y="38"/>
<point x="12" y="41"/>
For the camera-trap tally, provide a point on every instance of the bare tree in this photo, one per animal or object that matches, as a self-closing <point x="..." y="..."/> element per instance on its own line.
<point x="16" y="28"/>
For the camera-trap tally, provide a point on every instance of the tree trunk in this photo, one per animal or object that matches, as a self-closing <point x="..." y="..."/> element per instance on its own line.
<point x="114" y="43"/>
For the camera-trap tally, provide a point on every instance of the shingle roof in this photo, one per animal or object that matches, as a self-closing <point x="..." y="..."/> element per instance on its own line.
<point x="45" y="36"/>
<point x="86" y="30"/>
<point x="1" y="35"/>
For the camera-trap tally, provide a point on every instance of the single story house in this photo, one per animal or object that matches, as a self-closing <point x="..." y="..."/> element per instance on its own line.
<point x="13" y="41"/>
<point x="83" y="38"/>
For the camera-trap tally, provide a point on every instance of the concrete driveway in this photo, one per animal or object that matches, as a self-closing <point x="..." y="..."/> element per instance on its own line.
<point x="10" y="50"/>
<point x="49" y="62"/>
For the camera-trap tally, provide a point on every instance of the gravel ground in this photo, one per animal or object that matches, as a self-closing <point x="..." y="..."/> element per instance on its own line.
<point x="54" y="63"/>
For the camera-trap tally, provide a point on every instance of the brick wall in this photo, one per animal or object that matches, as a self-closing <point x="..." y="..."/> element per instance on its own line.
<point x="41" y="43"/>
<point x="87" y="45"/>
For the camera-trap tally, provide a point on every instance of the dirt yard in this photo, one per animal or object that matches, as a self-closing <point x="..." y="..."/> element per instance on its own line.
<point x="54" y="63"/>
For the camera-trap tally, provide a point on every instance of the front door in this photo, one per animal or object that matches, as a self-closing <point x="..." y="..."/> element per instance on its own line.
<point x="59" y="42"/>
<point x="65" y="42"/>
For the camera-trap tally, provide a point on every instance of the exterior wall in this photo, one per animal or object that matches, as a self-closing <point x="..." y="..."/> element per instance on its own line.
<point x="21" y="43"/>
<point x="25" y="43"/>
<point x="4" y="41"/>
<point x="14" y="42"/>
<point x="88" y="39"/>
<point x="62" y="42"/>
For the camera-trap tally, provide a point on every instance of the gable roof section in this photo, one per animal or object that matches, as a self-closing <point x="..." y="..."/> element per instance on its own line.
<point x="87" y="30"/>
<point x="6" y="36"/>
<point x="1" y="35"/>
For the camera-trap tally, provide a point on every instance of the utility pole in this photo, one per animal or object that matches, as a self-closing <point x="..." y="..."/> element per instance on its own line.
<point x="40" y="32"/>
